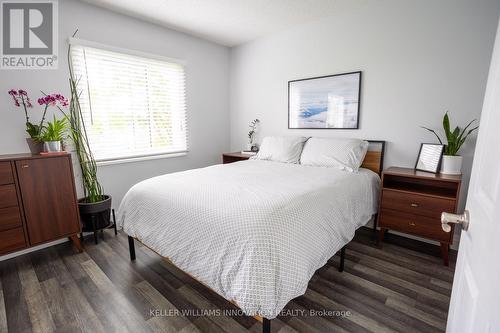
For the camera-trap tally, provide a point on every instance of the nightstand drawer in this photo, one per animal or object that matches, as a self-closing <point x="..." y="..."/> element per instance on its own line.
<point x="8" y="196"/>
<point x="6" y="173"/>
<point x="10" y="218"/>
<point x="12" y="240"/>
<point x="414" y="224"/>
<point x="416" y="204"/>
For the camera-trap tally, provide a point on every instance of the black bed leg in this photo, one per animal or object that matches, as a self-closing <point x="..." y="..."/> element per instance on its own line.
<point x="114" y="222"/>
<point x="131" y="247"/>
<point x="342" y="258"/>
<point x="375" y="218"/>
<point x="266" y="325"/>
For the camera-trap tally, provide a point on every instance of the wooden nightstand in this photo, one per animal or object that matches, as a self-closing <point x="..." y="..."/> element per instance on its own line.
<point x="234" y="157"/>
<point x="412" y="202"/>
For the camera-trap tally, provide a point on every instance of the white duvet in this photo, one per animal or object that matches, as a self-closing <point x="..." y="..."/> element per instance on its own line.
<point x="253" y="231"/>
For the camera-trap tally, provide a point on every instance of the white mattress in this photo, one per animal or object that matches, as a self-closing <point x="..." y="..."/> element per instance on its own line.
<point x="253" y="231"/>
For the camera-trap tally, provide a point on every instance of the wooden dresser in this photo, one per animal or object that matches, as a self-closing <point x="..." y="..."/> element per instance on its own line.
<point x="37" y="201"/>
<point x="412" y="202"/>
<point x="234" y="157"/>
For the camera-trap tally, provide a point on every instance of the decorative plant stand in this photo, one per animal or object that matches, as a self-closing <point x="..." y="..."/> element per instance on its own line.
<point x="97" y="226"/>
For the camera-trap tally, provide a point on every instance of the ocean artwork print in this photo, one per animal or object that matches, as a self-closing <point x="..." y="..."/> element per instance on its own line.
<point x="325" y="102"/>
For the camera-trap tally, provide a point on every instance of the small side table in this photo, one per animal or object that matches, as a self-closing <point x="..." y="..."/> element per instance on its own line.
<point x="412" y="202"/>
<point x="234" y="157"/>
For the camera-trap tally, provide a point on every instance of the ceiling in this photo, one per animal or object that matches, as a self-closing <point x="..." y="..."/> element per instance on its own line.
<point x="226" y="22"/>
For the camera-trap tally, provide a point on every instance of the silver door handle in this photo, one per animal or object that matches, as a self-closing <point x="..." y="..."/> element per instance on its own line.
<point x="461" y="219"/>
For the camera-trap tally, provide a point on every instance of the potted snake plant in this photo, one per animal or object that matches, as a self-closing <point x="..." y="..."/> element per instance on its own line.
<point x="95" y="206"/>
<point x="451" y="163"/>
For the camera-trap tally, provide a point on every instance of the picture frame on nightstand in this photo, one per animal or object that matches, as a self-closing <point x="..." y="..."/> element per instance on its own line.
<point x="429" y="157"/>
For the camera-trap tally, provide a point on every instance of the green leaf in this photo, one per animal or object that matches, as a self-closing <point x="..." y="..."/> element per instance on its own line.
<point x="33" y="130"/>
<point x="466" y="127"/>
<point x="432" y="131"/>
<point x="55" y="130"/>
<point x="452" y="140"/>
<point x="467" y="135"/>
<point x="446" y="125"/>
<point x="463" y="136"/>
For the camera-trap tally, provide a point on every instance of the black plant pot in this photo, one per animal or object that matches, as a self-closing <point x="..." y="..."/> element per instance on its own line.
<point x="98" y="213"/>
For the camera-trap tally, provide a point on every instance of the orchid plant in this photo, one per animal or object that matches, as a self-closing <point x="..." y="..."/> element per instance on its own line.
<point x="21" y="98"/>
<point x="253" y="129"/>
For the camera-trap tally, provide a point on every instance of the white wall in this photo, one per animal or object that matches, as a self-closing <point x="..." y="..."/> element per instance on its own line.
<point x="419" y="59"/>
<point x="207" y="89"/>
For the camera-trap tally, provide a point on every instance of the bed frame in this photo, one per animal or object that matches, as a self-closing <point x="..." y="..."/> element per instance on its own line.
<point x="374" y="161"/>
<point x="374" y="158"/>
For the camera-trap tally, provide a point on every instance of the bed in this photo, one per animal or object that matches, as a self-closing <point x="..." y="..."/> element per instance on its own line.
<point x="252" y="231"/>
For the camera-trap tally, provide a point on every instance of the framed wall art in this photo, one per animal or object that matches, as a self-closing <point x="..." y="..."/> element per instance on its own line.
<point x="328" y="102"/>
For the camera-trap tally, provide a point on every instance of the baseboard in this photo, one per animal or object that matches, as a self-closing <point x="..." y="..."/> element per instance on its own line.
<point x="38" y="247"/>
<point x="33" y="249"/>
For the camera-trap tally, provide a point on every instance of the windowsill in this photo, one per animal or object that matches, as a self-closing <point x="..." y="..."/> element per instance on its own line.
<point x="139" y="159"/>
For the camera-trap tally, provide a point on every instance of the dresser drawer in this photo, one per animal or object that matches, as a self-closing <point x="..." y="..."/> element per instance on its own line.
<point x="12" y="240"/>
<point x="10" y="218"/>
<point x="8" y="197"/>
<point x="416" y="204"/>
<point x="6" y="176"/>
<point x="414" y="224"/>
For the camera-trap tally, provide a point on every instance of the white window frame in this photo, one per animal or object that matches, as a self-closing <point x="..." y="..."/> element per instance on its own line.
<point x="153" y="156"/>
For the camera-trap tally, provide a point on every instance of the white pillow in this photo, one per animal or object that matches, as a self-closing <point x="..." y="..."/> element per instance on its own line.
<point x="286" y="149"/>
<point x="345" y="154"/>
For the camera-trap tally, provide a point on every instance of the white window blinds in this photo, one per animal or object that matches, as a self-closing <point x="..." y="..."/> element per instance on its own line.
<point x="133" y="106"/>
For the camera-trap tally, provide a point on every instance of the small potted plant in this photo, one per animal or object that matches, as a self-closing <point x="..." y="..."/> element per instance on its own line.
<point x="53" y="134"/>
<point x="451" y="163"/>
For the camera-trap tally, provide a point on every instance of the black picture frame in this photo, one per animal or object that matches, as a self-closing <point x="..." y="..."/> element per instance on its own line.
<point x="435" y="161"/>
<point x="358" y="98"/>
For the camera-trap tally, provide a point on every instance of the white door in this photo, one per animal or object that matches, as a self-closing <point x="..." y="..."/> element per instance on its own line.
<point x="475" y="300"/>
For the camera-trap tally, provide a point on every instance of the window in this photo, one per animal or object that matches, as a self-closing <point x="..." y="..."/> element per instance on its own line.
<point x="133" y="105"/>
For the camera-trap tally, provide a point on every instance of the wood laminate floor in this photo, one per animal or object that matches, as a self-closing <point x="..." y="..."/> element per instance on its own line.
<point x="393" y="289"/>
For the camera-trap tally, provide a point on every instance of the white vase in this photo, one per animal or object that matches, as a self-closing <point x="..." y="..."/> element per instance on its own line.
<point x="451" y="165"/>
